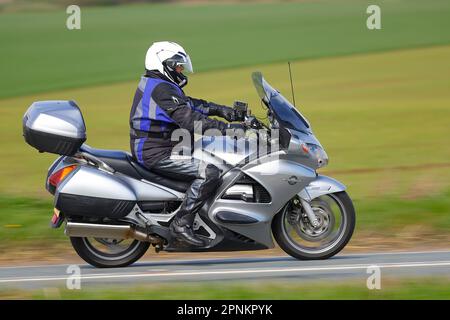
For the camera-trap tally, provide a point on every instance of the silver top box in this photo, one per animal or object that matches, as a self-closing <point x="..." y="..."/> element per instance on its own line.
<point x="60" y="118"/>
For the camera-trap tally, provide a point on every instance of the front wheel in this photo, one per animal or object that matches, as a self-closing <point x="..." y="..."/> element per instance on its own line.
<point x="109" y="253"/>
<point x="297" y="237"/>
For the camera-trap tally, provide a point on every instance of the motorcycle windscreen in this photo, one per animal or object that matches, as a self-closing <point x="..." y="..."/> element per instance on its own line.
<point x="286" y="114"/>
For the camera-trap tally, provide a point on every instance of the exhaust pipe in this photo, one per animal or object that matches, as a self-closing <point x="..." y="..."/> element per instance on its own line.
<point x="77" y="229"/>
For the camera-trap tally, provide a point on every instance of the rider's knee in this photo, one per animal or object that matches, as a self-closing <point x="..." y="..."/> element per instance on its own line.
<point x="212" y="174"/>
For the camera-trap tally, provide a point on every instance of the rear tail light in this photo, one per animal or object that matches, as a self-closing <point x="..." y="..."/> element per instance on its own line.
<point x="59" y="175"/>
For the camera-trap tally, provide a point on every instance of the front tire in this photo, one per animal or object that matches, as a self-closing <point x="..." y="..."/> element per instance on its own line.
<point x="113" y="256"/>
<point x="299" y="239"/>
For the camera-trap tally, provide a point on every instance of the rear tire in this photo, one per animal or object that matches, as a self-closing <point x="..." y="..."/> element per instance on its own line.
<point x="99" y="259"/>
<point x="300" y="252"/>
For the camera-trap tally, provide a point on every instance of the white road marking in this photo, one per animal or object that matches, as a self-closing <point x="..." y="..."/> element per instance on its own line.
<point x="240" y="271"/>
<point x="391" y="253"/>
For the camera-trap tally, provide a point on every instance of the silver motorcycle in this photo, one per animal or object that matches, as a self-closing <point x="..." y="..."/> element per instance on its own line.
<point x="114" y="208"/>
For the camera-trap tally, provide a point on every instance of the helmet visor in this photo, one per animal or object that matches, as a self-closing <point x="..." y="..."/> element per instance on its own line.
<point x="181" y="59"/>
<point x="188" y="65"/>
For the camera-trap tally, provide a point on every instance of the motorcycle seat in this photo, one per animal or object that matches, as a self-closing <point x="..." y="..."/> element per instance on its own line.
<point x="125" y="163"/>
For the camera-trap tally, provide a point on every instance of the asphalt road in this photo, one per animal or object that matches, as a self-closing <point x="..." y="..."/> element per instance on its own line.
<point x="280" y="268"/>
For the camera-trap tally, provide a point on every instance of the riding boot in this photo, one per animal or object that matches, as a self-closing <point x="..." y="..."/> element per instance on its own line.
<point x="181" y="228"/>
<point x="204" y="177"/>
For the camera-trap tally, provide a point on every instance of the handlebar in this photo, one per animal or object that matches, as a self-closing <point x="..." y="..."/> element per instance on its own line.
<point x="242" y="111"/>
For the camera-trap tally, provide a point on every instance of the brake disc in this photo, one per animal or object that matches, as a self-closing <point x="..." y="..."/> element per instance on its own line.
<point x="326" y="219"/>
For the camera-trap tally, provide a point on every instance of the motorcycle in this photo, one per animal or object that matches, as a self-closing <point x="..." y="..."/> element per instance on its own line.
<point x="114" y="209"/>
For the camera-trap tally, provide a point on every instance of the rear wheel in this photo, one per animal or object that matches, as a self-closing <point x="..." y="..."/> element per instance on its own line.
<point x="109" y="253"/>
<point x="297" y="237"/>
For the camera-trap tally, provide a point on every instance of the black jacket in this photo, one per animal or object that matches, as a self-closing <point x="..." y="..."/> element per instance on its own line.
<point x="184" y="111"/>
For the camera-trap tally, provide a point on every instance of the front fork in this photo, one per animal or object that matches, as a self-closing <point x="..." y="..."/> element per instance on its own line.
<point x="320" y="186"/>
<point x="306" y="211"/>
<point x="310" y="213"/>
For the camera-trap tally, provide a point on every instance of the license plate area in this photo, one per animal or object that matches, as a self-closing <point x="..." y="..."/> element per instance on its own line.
<point x="57" y="218"/>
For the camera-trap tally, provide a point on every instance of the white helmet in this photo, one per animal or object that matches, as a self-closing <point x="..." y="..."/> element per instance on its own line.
<point x="164" y="56"/>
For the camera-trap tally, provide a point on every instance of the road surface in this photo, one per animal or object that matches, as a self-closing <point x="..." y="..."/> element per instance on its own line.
<point x="279" y="268"/>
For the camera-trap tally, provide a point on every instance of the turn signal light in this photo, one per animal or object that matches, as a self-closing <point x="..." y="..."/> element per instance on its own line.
<point x="305" y="148"/>
<point x="59" y="175"/>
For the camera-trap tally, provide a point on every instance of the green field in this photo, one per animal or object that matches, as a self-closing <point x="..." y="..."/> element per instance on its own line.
<point x="381" y="114"/>
<point x="376" y="111"/>
<point x="38" y="53"/>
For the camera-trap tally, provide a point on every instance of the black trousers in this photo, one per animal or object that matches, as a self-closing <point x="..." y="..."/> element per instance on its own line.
<point x="205" y="179"/>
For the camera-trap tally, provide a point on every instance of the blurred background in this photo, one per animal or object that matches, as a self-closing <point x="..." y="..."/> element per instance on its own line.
<point x="378" y="100"/>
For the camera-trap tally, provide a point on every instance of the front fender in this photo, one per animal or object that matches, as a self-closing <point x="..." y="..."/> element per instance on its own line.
<point x="320" y="186"/>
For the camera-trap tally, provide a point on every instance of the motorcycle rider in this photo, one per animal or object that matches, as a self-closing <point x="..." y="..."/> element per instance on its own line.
<point x="160" y="106"/>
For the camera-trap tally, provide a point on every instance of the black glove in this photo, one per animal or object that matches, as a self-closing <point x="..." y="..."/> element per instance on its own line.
<point x="239" y="115"/>
<point x="227" y="113"/>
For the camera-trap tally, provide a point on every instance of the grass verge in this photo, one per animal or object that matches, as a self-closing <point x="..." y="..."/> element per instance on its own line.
<point x="420" y="289"/>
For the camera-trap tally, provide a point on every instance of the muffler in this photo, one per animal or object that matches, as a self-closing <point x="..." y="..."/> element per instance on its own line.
<point x="109" y="231"/>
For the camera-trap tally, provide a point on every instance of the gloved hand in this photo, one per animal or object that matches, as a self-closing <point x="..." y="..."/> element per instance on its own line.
<point x="227" y="113"/>
<point x="241" y="110"/>
<point x="239" y="115"/>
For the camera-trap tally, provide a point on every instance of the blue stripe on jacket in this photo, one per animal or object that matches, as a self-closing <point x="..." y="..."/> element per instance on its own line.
<point x="160" y="114"/>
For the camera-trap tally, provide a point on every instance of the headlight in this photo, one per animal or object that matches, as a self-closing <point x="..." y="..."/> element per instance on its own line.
<point x="320" y="154"/>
